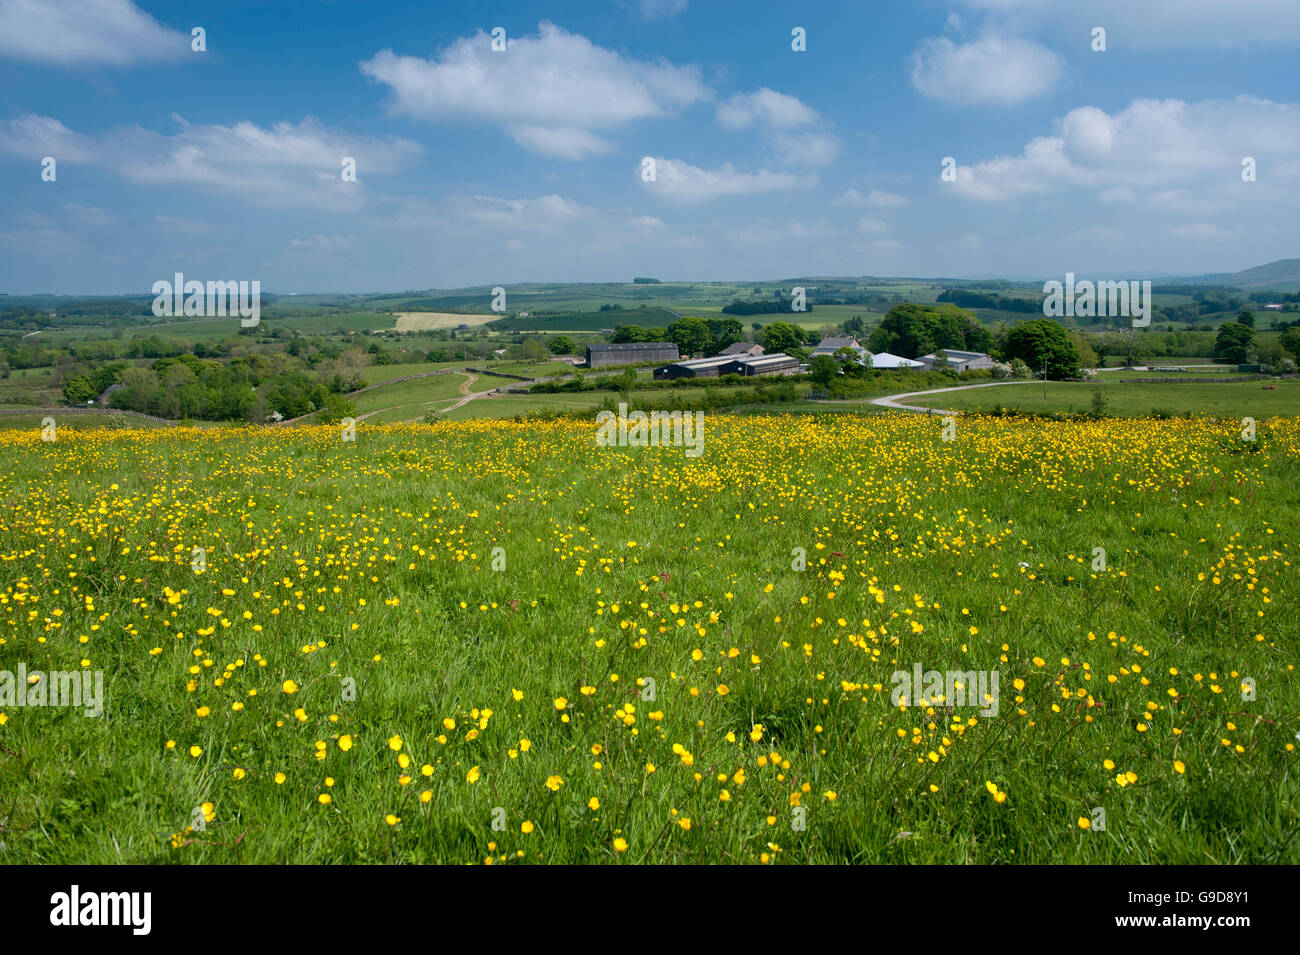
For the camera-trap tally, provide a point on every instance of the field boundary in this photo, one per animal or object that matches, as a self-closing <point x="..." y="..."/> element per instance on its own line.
<point x="90" y="411"/>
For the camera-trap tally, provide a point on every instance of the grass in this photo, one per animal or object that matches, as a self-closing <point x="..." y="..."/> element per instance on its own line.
<point x="1240" y="399"/>
<point x="490" y="641"/>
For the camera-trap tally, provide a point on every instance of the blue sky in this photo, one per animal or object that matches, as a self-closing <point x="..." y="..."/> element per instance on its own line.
<point x="482" y="167"/>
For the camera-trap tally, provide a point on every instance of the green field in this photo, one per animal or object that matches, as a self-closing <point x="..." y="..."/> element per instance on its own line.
<point x="494" y="642"/>
<point x="1256" y="399"/>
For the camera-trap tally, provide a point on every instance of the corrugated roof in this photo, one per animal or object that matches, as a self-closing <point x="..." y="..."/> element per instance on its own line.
<point x="630" y="346"/>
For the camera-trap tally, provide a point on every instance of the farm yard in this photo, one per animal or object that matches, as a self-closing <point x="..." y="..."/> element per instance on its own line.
<point x="495" y="642"/>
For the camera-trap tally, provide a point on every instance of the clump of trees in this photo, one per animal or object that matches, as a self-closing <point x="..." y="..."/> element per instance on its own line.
<point x="911" y="329"/>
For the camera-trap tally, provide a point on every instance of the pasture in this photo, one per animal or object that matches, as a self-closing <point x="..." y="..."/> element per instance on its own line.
<point x="497" y="642"/>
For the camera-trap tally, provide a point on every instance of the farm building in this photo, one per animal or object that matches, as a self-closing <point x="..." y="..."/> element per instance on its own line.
<point x="830" y="345"/>
<point x="103" y="398"/>
<point x="777" y="363"/>
<point x="888" y="361"/>
<point x="628" y="353"/>
<point x="958" y="360"/>
<point x="695" y="367"/>
<point x="750" y="349"/>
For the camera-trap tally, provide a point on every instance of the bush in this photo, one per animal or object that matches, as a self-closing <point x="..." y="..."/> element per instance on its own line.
<point x="336" y="408"/>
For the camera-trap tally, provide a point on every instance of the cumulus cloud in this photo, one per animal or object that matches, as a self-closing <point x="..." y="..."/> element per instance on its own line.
<point x="658" y="9"/>
<point x="875" y="199"/>
<point x="773" y="232"/>
<point x="780" y="119"/>
<point x="994" y="70"/>
<point x="766" y="106"/>
<point x="1170" y="154"/>
<point x="469" y="214"/>
<point x="683" y="182"/>
<point x="85" y="32"/>
<point x="1155" y="24"/>
<point x="1201" y="230"/>
<point x="550" y="92"/>
<point x="873" y="226"/>
<point x="322" y="243"/>
<point x="282" y="165"/>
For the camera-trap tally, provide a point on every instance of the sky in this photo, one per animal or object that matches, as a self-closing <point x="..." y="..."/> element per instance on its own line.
<point x="680" y="139"/>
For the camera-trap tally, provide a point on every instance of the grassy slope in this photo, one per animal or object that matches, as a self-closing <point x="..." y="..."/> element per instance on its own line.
<point x="1249" y="398"/>
<point x="622" y="563"/>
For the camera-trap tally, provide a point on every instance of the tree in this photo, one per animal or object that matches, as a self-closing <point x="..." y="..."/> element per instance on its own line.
<point x="724" y="332"/>
<point x="911" y="329"/>
<point x="78" y="389"/>
<point x="782" y="337"/>
<point x="1247" y="318"/>
<point x="562" y="345"/>
<point x="1234" y="342"/>
<point x="1290" y="340"/>
<point x="823" y="369"/>
<point x="1040" y="340"/>
<point x="1087" y="357"/>
<point x="691" y="335"/>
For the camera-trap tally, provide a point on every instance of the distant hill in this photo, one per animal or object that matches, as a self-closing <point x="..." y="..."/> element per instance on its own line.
<point x="1282" y="275"/>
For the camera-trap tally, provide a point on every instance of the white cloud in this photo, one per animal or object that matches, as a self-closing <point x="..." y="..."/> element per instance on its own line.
<point x="681" y="181"/>
<point x="997" y="70"/>
<point x="1201" y="230"/>
<point x="181" y="224"/>
<point x="875" y="199"/>
<point x="766" y="106"/>
<point x="1173" y="155"/>
<point x="768" y="232"/>
<point x="284" y="165"/>
<point x="562" y="143"/>
<point x="645" y="223"/>
<point x="85" y="33"/>
<point x="322" y="243"/>
<point x="1155" y="24"/>
<point x="87" y="215"/>
<point x="466" y="215"/>
<point x="780" y="118"/>
<point x="1096" y="234"/>
<point x="658" y="9"/>
<point x="806" y="149"/>
<point x="550" y="91"/>
<point x="873" y="226"/>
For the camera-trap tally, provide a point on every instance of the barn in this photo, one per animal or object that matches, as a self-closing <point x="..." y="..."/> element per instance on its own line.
<point x="695" y="368"/>
<point x="777" y="363"/>
<point x="629" y="353"/>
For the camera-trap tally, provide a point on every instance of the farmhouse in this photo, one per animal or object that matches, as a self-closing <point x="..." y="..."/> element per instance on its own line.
<point x="778" y="363"/>
<point x="958" y="360"/>
<point x="627" y="353"/>
<point x="102" y="400"/>
<point x="695" y="368"/>
<point x="742" y="348"/>
<point x="830" y="345"/>
<point x="885" y="360"/>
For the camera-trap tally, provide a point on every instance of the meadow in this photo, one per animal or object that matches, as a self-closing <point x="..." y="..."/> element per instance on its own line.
<point x="1256" y="399"/>
<point x="496" y="642"/>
